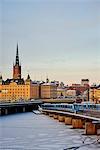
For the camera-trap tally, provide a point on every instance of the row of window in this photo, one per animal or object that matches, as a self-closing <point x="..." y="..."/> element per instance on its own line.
<point x="16" y="89"/>
<point x="19" y="92"/>
<point x="14" y="96"/>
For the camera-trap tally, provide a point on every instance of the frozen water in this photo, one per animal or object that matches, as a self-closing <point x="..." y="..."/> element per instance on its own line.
<point x="28" y="131"/>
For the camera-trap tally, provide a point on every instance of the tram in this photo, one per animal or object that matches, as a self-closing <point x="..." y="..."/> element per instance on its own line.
<point x="72" y="107"/>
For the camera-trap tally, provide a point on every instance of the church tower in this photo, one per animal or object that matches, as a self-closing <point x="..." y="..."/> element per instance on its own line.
<point x="17" y="67"/>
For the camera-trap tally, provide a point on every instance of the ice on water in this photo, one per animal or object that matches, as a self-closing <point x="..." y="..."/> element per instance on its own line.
<point x="28" y="131"/>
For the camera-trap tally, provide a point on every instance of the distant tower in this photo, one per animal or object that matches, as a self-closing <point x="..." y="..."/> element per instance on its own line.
<point x="47" y="80"/>
<point x="1" y="79"/>
<point x="28" y="78"/>
<point x="17" y="67"/>
<point x="84" y="81"/>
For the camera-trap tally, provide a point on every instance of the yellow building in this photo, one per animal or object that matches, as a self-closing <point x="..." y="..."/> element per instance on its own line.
<point x="48" y="90"/>
<point x="94" y="95"/>
<point x="16" y="89"/>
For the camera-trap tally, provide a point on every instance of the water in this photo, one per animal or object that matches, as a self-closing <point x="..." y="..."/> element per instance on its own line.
<point x="28" y="131"/>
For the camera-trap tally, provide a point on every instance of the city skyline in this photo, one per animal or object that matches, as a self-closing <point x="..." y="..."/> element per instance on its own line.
<point x="56" y="38"/>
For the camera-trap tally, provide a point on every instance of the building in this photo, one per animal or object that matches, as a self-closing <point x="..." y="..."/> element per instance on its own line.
<point x="61" y="92"/>
<point x="17" y="88"/>
<point x="82" y="90"/>
<point x="48" y="90"/>
<point x="79" y="88"/>
<point x="84" y="82"/>
<point x="71" y="93"/>
<point x="94" y="94"/>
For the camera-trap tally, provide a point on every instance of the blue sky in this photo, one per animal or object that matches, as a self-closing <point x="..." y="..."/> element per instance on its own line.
<point x="58" y="38"/>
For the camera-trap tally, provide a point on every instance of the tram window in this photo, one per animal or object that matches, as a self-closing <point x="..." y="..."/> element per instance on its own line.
<point x="74" y="106"/>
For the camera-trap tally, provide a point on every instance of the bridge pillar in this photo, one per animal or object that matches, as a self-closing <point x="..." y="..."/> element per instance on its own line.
<point x="46" y="113"/>
<point x="77" y="123"/>
<point x="6" y="111"/>
<point x="61" y="118"/>
<point x="23" y="109"/>
<point x="0" y="112"/>
<point x="15" y="110"/>
<point x="68" y="120"/>
<point x="90" y="128"/>
<point x="50" y="115"/>
<point x="55" y="116"/>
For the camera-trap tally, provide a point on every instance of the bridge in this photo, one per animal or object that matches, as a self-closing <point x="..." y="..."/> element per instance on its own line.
<point x="17" y="107"/>
<point x="77" y="121"/>
<point x="59" y="100"/>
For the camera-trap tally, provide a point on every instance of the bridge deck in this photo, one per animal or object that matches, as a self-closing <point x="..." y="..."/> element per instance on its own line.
<point x="3" y="105"/>
<point x="73" y="114"/>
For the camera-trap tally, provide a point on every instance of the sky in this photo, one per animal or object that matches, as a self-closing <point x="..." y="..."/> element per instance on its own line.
<point x="56" y="38"/>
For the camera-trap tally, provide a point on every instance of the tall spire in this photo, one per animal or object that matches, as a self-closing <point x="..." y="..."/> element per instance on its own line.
<point x="17" y="66"/>
<point x="17" y="56"/>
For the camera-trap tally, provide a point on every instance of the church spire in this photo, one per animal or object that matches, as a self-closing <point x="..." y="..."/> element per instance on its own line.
<point x="17" y="66"/>
<point x="17" y="56"/>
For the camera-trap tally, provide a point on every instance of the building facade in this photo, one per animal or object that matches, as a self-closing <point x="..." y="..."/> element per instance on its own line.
<point x="48" y="90"/>
<point x="84" y="82"/>
<point x="94" y="94"/>
<point x="17" y="88"/>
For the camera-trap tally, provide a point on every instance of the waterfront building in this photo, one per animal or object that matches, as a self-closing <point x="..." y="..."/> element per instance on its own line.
<point x="82" y="90"/>
<point x="79" y="88"/>
<point x="61" y="92"/>
<point x="17" y="88"/>
<point x="84" y="82"/>
<point x="55" y="82"/>
<point x="48" y="90"/>
<point x="94" y="94"/>
<point x="71" y="93"/>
